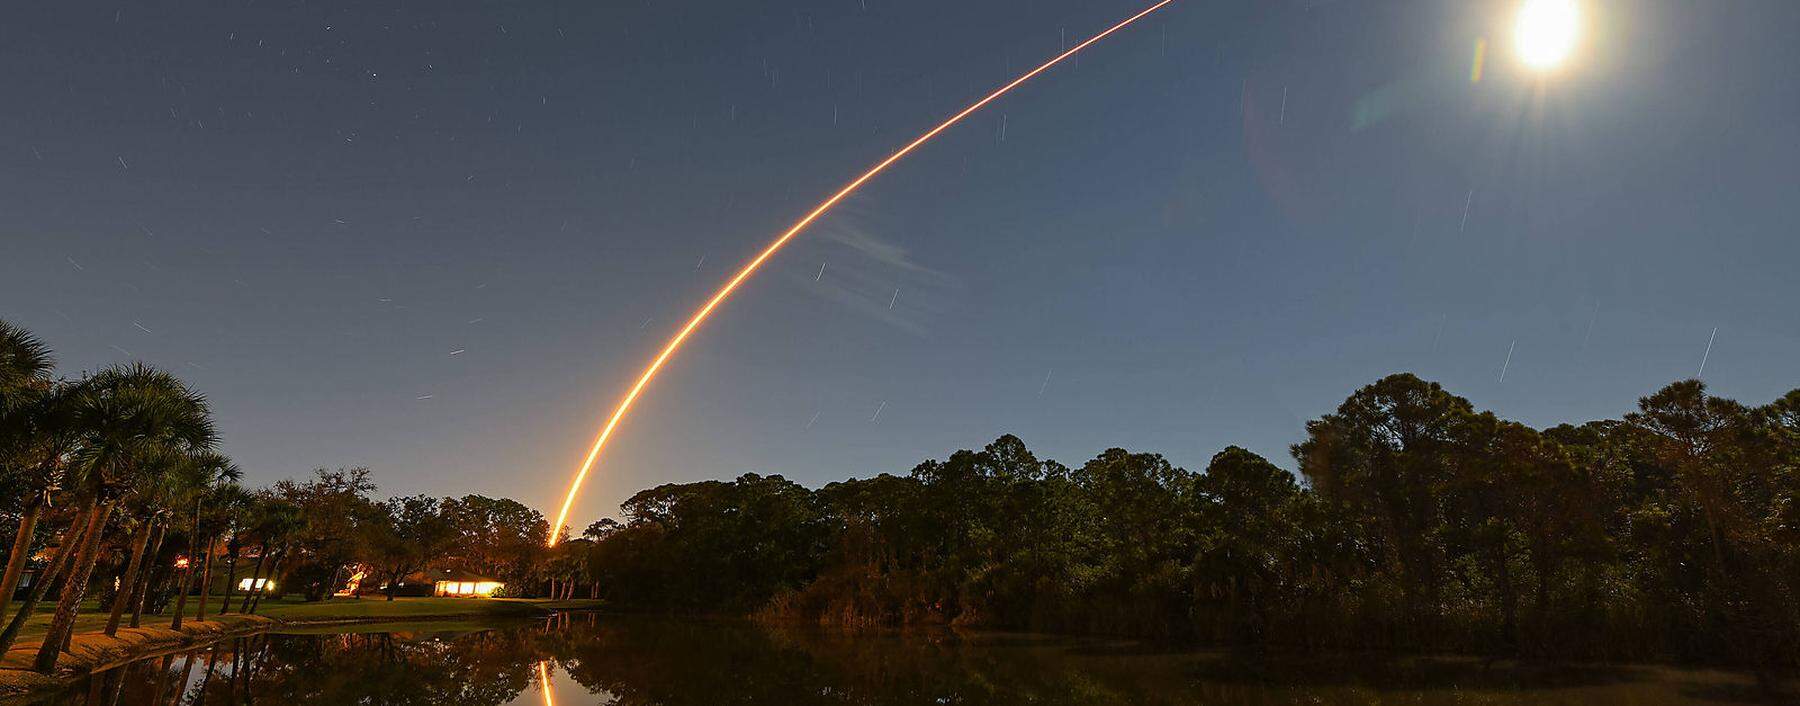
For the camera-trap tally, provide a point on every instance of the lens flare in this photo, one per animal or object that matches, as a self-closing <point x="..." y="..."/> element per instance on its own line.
<point x="750" y="268"/>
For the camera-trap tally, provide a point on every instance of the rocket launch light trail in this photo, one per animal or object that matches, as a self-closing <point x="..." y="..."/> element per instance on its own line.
<point x="544" y="688"/>
<point x="750" y="268"/>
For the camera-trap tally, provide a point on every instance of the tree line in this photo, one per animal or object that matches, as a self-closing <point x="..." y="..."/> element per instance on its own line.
<point x="117" y="495"/>
<point x="1414" y="522"/>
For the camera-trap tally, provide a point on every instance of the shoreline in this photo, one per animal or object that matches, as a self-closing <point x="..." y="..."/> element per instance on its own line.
<point x="19" y="685"/>
<point x="92" y="652"/>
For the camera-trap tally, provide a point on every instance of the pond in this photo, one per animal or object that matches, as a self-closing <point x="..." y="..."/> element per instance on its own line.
<point x="585" y="659"/>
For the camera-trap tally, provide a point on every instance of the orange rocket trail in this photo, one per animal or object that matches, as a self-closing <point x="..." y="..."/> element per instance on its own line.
<point x="750" y="268"/>
<point x="544" y="688"/>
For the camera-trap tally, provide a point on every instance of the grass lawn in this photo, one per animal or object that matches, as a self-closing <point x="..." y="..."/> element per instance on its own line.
<point x="369" y="607"/>
<point x="93" y="617"/>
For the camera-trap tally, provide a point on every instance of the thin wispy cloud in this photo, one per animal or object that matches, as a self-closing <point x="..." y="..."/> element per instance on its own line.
<point x="866" y="272"/>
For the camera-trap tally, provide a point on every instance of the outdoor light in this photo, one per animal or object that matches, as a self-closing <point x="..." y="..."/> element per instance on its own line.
<point x="1545" y="31"/>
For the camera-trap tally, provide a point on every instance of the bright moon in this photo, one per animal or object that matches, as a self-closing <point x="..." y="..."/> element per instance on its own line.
<point x="1546" y="31"/>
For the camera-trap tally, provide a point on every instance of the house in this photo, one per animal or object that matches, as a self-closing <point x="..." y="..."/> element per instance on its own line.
<point x="352" y="587"/>
<point x="258" y="584"/>
<point x="463" y="584"/>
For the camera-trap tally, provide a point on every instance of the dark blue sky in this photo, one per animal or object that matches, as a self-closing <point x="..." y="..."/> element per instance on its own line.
<point x="1205" y="231"/>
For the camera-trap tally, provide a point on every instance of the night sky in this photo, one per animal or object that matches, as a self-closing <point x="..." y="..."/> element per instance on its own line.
<point x="1204" y="231"/>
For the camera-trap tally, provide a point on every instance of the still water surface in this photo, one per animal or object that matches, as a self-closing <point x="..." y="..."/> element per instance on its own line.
<point x="581" y="660"/>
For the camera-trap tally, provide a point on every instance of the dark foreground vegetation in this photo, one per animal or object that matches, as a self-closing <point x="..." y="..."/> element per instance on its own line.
<point x="124" y="514"/>
<point x="1417" y="522"/>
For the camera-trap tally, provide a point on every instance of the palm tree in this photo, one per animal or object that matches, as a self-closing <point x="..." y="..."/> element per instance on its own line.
<point x="52" y="438"/>
<point x="213" y="471"/>
<point x="274" y="520"/>
<point x="283" y="529"/>
<point x="36" y="468"/>
<point x="64" y="552"/>
<point x="232" y="503"/>
<point x="25" y="366"/>
<point x="194" y="472"/>
<point x="127" y="413"/>
<point x="147" y="573"/>
<point x="24" y="361"/>
<point x="221" y="500"/>
<point x="167" y="474"/>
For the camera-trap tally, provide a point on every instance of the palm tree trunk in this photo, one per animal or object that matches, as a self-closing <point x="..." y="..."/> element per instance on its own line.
<point x="62" y="623"/>
<point x="255" y="573"/>
<point x="205" y="581"/>
<point x="230" y="577"/>
<point x="115" y="686"/>
<point x="237" y="670"/>
<point x="21" y="549"/>
<point x="274" y="570"/>
<point x="128" y="583"/>
<point x="231" y="560"/>
<point x="187" y="572"/>
<point x="41" y="587"/>
<point x="181" y="685"/>
<point x="143" y="583"/>
<point x="331" y="586"/>
<point x="162" y="678"/>
<point x="87" y="577"/>
<point x="182" y="586"/>
<point x="212" y="660"/>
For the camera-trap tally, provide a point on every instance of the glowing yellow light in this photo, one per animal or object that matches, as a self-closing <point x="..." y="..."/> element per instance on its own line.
<point x="1545" y="32"/>
<point x="544" y="683"/>
<point x="352" y="586"/>
<point x="476" y="589"/>
<point x="756" y="263"/>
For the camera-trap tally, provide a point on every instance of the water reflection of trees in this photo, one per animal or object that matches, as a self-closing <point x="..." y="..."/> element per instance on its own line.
<point x="691" y="663"/>
<point x="483" y="667"/>
<point x="645" y="661"/>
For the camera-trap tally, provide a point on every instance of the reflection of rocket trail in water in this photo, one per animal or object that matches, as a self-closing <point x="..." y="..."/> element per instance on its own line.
<point x="756" y="263"/>
<point x="544" y="684"/>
